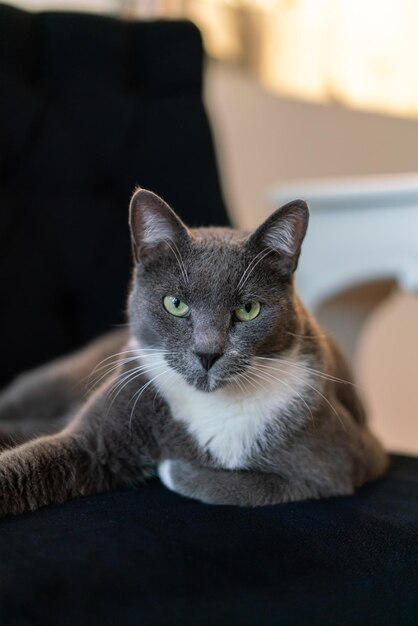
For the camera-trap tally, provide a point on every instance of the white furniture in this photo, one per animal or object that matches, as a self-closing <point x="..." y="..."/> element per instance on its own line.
<point x="361" y="230"/>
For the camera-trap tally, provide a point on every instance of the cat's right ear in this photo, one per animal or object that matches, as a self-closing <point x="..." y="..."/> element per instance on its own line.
<point x="153" y="222"/>
<point x="283" y="232"/>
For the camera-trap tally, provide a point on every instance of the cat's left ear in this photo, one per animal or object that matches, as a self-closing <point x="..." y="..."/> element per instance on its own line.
<point x="283" y="232"/>
<point x="153" y="222"/>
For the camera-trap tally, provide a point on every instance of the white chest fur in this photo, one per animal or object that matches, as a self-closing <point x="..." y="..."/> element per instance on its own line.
<point x="229" y="421"/>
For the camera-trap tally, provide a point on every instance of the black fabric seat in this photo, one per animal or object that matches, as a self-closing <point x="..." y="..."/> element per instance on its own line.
<point x="148" y="556"/>
<point x="90" y="107"/>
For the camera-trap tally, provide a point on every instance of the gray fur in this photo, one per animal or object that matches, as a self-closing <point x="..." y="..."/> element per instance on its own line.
<point x="316" y="446"/>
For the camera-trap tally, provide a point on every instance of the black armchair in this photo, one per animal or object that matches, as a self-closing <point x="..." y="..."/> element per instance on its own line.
<point x="90" y="107"/>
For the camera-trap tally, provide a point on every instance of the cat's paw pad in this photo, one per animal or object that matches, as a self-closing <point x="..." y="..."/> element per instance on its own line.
<point x="164" y="472"/>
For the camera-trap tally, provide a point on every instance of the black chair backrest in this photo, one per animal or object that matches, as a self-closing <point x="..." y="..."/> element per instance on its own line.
<point x="90" y="107"/>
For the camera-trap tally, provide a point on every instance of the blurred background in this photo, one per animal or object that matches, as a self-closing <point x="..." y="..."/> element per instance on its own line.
<point x="319" y="99"/>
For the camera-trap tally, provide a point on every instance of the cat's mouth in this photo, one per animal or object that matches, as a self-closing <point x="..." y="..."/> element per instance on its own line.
<point x="207" y="382"/>
<point x="211" y="381"/>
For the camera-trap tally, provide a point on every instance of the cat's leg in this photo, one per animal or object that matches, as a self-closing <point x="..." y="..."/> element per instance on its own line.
<point x="55" y="468"/>
<point x="50" y="469"/>
<point x="38" y="400"/>
<point x="102" y="448"/>
<point x="242" y="488"/>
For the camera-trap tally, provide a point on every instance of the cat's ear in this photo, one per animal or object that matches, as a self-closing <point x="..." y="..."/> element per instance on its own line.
<point x="283" y="232"/>
<point x="152" y="222"/>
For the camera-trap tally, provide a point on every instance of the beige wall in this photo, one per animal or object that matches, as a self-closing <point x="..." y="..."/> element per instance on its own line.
<point x="262" y="139"/>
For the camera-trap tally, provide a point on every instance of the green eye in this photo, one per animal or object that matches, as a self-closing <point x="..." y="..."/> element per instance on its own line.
<point x="248" y="311"/>
<point x="175" y="306"/>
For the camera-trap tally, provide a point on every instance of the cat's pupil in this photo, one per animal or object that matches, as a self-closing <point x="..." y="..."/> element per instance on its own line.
<point x="248" y="307"/>
<point x="176" y="302"/>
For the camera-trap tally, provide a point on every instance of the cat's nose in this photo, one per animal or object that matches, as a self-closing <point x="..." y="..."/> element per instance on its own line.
<point x="207" y="359"/>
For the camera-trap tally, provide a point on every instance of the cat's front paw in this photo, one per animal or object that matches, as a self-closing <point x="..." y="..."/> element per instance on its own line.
<point x="176" y="476"/>
<point x="164" y="473"/>
<point x="193" y="481"/>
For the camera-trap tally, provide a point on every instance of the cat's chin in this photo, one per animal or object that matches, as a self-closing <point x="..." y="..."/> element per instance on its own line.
<point x="207" y="383"/>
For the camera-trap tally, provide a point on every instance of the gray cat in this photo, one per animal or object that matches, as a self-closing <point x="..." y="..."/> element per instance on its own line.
<point x="222" y="383"/>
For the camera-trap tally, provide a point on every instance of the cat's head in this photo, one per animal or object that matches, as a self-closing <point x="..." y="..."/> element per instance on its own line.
<point x="212" y="299"/>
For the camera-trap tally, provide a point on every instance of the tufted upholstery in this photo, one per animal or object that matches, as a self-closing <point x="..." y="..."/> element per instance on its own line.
<point x="90" y="107"/>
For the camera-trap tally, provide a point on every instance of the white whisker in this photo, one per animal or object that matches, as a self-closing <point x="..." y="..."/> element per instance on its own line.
<point x="111" y="367"/>
<point x="324" y="336"/>
<point x="311" y="370"/>
<point x="311" y="387"/>
<point x="171" y="378"/>
<point x="139" y="393"/>
<point x="279" y="380"/>
<point x="238" y="380"/>
<point x="134" y="351"/>
<point x="179" y="259"/>
<point x="248" y="379"/>
<point x="130" y="377"/>
<point x="252" y="265"/>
